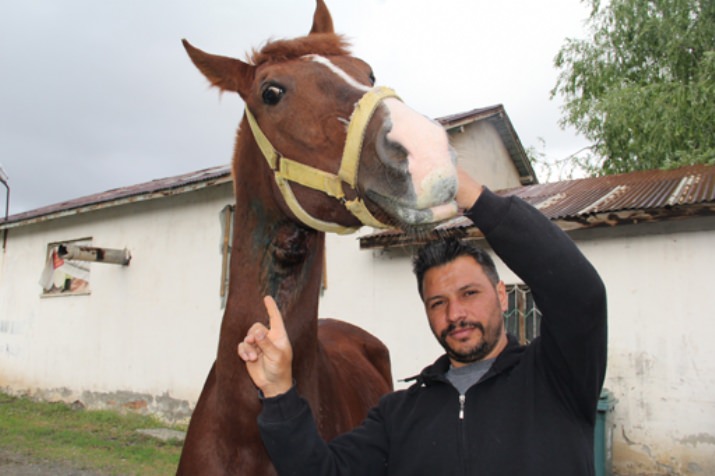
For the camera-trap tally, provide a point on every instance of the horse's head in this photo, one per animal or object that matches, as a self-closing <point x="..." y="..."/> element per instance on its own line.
<point x="344" y="153"/>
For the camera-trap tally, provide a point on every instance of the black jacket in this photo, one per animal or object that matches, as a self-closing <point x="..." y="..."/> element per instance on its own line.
<point x="532" y="413"/>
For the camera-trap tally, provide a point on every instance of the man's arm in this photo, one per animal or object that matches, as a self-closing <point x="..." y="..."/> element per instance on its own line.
<point x="565" y="286"/>
<point x="286" y="422"/>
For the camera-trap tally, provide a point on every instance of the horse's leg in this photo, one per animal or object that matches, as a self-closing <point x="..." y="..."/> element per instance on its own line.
<point x="198" y="455"/>
<point x="209" y="447"/>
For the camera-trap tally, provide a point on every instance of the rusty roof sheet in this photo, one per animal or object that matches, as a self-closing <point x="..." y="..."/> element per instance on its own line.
<point x="653" y="189"/>
<point x="598" y="201"/>
<point x="143" y="191"/>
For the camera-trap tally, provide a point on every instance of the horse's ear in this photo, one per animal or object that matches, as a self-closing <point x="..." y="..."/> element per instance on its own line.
<point x="322" y="21"/>
<point x="227" y="74"/>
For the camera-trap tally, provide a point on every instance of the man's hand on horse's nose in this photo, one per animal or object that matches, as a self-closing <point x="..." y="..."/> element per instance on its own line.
<point x="268" y="353"/>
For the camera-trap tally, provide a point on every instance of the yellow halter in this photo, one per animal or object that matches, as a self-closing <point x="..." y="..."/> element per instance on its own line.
<point x="287" y="170"/>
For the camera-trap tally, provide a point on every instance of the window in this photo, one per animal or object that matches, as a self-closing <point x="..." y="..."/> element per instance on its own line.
<point x="64" y="276"/>
<point x="523" y="318"/>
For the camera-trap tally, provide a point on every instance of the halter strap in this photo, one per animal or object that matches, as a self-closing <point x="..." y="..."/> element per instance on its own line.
<point x="288" y="170"/>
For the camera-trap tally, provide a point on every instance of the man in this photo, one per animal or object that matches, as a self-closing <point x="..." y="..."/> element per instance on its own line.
<point x="489" y="406"/>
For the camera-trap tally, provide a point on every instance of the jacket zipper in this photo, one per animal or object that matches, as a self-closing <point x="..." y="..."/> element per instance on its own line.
<point x="462" y="435"/>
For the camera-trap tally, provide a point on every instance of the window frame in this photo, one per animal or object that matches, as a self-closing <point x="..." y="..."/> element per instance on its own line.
<point x="76" y="273"/>
<point x="521" y="306"/>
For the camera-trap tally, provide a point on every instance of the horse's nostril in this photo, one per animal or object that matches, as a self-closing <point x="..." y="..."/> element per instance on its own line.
<point x="393" y="155"/>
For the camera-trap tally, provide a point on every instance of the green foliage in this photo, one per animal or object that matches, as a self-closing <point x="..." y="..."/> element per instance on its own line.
<point x="642" y="89"/>
<point x="104" y="441"/>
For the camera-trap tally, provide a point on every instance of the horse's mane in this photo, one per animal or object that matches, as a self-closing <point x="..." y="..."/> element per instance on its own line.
<point x="324" y="44"/>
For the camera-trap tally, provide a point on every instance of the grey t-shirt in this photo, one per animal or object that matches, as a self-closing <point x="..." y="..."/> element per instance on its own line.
<point x="464" y="377"/>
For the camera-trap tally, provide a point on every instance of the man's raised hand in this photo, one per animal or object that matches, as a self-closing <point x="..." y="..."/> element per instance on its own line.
<point x="268" y="353"/>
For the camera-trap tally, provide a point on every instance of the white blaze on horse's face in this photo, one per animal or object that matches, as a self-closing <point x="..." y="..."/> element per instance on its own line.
<point x="416" y="150"/>
<point x="338" y="71"/>
<point x="431" y="161"/>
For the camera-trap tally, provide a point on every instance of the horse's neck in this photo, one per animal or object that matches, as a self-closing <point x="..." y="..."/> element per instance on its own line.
<point x="271" y="255"/>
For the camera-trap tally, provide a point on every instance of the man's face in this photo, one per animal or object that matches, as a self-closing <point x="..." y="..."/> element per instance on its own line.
<point x="465" y="310"/>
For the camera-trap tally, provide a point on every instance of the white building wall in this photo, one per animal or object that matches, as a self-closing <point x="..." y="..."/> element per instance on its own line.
<point x="146" y="336"/>
<point x="661" y="366"/>
<point x="661" y="358"/>
<point x="482" y="154"/>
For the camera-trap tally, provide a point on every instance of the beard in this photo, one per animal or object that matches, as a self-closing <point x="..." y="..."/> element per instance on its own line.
<point x="489" y="340"/>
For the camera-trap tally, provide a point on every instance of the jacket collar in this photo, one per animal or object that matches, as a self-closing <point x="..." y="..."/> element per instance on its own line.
<point x="508" y="358"/>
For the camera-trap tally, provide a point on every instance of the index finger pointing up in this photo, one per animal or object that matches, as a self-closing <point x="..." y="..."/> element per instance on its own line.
<point x="275" y="320"/>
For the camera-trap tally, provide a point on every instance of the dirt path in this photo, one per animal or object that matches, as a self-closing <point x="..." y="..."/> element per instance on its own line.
<point x="17" y="464"/>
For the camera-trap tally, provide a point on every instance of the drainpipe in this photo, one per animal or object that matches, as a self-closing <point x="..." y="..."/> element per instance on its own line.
<point x="90" y="253"/>
<point x="4" y="180"/>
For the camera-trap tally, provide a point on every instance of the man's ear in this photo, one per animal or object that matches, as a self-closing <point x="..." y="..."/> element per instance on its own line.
<point x="501" y="294"/>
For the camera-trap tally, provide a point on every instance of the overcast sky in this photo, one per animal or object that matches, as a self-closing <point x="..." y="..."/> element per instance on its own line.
<point x="97" y="95"/>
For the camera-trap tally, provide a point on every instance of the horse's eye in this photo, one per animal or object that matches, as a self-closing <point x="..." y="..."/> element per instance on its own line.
<point x="372" y="78"/>
<point x="272" y="95"/>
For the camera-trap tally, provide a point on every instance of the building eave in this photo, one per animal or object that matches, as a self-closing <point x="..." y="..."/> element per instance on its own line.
<point x="160" y="188"/>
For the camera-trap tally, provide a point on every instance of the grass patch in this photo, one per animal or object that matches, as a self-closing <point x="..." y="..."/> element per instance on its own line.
<point x="104" y="441"/>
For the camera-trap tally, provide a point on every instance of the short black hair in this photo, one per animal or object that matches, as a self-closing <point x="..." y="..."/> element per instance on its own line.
<point x="445" y="250"/>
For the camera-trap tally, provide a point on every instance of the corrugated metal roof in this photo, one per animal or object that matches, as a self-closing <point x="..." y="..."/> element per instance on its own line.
<point x="598" y="201"/>
<point x="645" y="190"/>
<point x="134" y="193"/>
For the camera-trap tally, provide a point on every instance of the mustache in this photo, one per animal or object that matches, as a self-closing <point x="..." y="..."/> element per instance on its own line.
<point x="461" y="325"/>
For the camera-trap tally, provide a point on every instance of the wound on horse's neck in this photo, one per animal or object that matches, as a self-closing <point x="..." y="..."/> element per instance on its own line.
<point x="293" y="259"/>
<point x="290" y="245"/>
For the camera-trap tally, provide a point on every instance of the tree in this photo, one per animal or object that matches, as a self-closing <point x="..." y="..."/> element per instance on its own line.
<point x="642" y="89"/>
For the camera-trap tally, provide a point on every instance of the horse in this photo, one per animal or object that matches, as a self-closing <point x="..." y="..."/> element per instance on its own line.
<point x="319" y="149"/>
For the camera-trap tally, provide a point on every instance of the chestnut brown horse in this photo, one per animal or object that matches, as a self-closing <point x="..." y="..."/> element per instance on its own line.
<point x="319" y="149"/>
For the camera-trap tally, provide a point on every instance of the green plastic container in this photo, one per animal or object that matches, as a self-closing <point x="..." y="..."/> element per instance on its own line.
<point x="603" y="435"/>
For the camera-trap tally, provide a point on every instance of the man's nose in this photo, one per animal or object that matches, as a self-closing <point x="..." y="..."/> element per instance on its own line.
<point x="456" y="312"/>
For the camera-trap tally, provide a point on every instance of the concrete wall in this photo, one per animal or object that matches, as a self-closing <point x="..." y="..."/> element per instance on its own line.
<point x="482" y="153"/>
<point x="146" y="335"/>
<point x="661" y="360"/>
